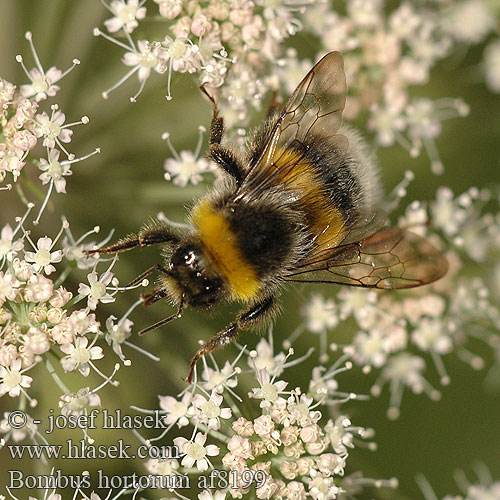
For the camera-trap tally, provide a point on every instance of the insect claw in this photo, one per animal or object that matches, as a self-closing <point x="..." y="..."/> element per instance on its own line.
<point x="210" y="97"/>
<point x="189" y="378"/>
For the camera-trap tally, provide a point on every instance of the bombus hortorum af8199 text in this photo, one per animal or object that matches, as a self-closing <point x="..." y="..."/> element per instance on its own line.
<point x="302" y="204"/>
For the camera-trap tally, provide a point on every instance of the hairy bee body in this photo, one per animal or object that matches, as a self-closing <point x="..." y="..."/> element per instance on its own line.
<point x="251" y="245"/>
<point x="302" y="205"/>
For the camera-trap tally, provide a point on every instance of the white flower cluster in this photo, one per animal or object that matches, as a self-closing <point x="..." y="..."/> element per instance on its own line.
<point x="388" y="51"/>
<point x="206" y="39"/>
<point x="22" y="126"/>
<point x="285" y="433"/>
<point x="486" y="489"/>
<point x="37" y="313"/>
<point x="39" y="317"/>
<point x="296" y="436"/>
<point x="395" y="333"/>
<point x="187" y="167"/>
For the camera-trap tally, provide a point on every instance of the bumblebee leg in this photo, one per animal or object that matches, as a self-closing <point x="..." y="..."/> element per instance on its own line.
<point x="154" y="296"/>
<point x="248" y="318"/>
<point x="217" y="125"/>
<point x="223" y="157"/>
<point x="147" y="236"/>
<point x="162" y="322"/>
<point x="146" y="273"/>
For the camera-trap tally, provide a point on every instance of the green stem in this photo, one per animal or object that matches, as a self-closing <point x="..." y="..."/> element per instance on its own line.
<point x="234" y="407"/>
<point x="63" y="276"/>
<point x="33" y="187"/>
<point x="215" y="434"/>
<point x="74" y="300"/>
<point x="22" y="402"/>
<point x="55" y="376"/>
<point x="21" y="194"/>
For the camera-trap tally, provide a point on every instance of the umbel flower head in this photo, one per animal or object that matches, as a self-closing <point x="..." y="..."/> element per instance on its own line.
<point x="39" y="321"/>
<point x="247" y="416"/>
<point x="281" y="444"/>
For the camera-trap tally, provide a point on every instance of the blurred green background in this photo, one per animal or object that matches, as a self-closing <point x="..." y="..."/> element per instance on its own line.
<point x="124" y="185"/>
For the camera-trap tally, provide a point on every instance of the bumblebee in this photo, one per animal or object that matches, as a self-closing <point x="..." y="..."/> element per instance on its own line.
<point x="303" y="204"/>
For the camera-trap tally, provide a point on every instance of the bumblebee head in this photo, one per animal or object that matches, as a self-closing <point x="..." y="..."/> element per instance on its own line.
<point x="193" y="277"/>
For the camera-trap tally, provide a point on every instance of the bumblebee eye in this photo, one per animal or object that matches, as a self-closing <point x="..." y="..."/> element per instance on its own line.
<point x="190" y="258"/>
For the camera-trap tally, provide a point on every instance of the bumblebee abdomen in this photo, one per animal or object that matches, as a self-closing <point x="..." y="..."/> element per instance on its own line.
<point x="314" y="183"/>
<point x="334" y="188"/>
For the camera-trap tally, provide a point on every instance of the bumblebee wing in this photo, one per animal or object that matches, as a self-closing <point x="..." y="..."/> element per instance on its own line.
<point x="391" y="258"/>
<point x="314" y="109"/>
<point x="367" y="225"/>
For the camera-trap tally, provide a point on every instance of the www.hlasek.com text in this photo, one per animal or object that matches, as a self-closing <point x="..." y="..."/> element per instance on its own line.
<point x="82" y="449"/>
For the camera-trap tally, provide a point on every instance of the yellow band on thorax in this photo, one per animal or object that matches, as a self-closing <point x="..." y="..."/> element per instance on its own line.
<point x="221" y="243"/>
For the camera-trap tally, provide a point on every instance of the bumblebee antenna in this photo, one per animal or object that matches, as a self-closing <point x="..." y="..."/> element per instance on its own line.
<point x="162" y="322"/>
